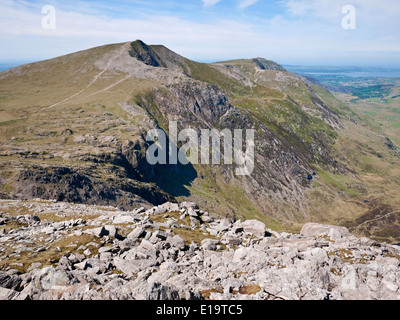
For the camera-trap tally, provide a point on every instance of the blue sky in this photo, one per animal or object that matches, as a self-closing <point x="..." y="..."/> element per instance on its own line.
<point x="304" y="32"/>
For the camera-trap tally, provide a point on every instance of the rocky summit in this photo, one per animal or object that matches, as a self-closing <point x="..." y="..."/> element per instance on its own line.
<point x="65" y="251"/>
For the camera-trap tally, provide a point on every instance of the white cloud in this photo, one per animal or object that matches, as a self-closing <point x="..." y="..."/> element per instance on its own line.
<point x="209" y="3"/>
<point x="306" y="30"/>
<point x="327" y="9"/>
<point x="246" y="3"/>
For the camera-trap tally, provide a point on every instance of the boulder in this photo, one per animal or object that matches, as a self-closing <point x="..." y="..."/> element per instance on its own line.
<point x="158" y="291"/>
<point x="158" y="236"/>
<point x="188" y="204"/>
<point x="81" y="265"/>
<point x="147" y="244"/>
<point x="127" y="267"/>
<point x="45" y="280"/>
<point x="137" y="233"/>
<point x="192" y="212"/>
<point x="177" y="242"/>
<point x="255" y="227"/>
<point x="98" y="232"/>
<point x="312" y="229"/>
<point x="143" y="256"/>
<point x="123" y="219"/>
<point x="317" y="255"/>
<point x="169" y="206"/>
<point x="209" y="244"/>
<point x="9" y="281"/>
<point x="9" y="294"/>
<point x="231" y="239"/>
<point x="207" y="219"/>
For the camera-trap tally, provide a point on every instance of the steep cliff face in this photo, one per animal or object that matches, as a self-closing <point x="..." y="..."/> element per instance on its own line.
<point x="294" y="131"/>
<point x="75" y="129"/>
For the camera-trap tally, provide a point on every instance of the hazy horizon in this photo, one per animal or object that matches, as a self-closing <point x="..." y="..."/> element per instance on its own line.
<point x="4" y="65"/>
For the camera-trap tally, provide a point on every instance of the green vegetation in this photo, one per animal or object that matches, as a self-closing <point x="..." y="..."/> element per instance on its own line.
<point x="209" y="74"/>
<point x="341" y="183"/>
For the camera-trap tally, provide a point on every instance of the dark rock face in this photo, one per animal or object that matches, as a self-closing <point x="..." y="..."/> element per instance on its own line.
<point x="142" y="52"/>
<point x="10" y="281"/>
<point x="80" y="186"/>
<point x="283" y="159"/>
<point x="264" y="64"/>
<point x="192" y="100"/>
<point x="390" y="144"/>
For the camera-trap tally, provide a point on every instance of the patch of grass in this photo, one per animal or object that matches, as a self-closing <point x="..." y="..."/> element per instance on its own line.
<point x="13" y="225"/>
<point x="50" y="255"/>
<point x="190" y="236"/>
<point x="346" y="255"/>
<point x="207" y="73"/>
<point x="336" y="272"/>
<point x="340" y="182"/>
<point x="207" y="293"/>
<point x="248" y="289"/>
<point x="16" y="210"/>
<point x="174" y="214"/>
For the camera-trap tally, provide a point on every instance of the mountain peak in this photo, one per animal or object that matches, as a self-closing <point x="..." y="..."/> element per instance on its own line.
<point x="144" y="53"/>
<point x="157" y="56"/>
<point x="260" y="63"/>
<point x="265" y="64"/>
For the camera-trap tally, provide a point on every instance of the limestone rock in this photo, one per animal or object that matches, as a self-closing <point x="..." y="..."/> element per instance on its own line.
<point x="221" y="260"/>
<point x="255" y="227"/>
<point x="315" y="229"/>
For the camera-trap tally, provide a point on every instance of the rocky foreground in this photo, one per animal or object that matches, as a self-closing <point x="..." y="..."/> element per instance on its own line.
<point x="55" y="250"/>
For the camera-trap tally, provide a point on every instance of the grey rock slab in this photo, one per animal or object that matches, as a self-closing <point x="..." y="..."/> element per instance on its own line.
<point x="9" y="294"/>
<point x="169" y="206"/>
<point x="192" y="212"/>
<point x="158" y="236"/>
<point x="98" y="232"/>
<point x="158" y="291"/>
<point x="111" y="231"/>
<point x="138" y="232"/>
<point x="81" y="265"/>
<point x="9" y="281"/>
<point x="209" y="244"/>
<point x="177" y="242"/>
<point x="127" y="267"/>
<point x="312" y="229"/>
<point x="207" y="219"/>
<point x="146" y="244"/>
<point x="128" y="219"/>
<point x="188" y="204"/>
<point x="255" y="227"/>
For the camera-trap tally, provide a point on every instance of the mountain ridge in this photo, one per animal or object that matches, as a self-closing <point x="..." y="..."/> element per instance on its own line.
<point x="81" y="120"/>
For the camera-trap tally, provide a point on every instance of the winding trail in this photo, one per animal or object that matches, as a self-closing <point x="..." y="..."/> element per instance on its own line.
<point x="378" y="218"/>
<point x="96" y="77"/>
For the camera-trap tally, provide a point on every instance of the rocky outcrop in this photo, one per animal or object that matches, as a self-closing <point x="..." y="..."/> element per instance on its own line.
<point x="157" y="56"/>
<point x="178" y="251"/>
<point x="82" y="186"/>
<point x="142" y="52"/>
<point x="265" y="64"/>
